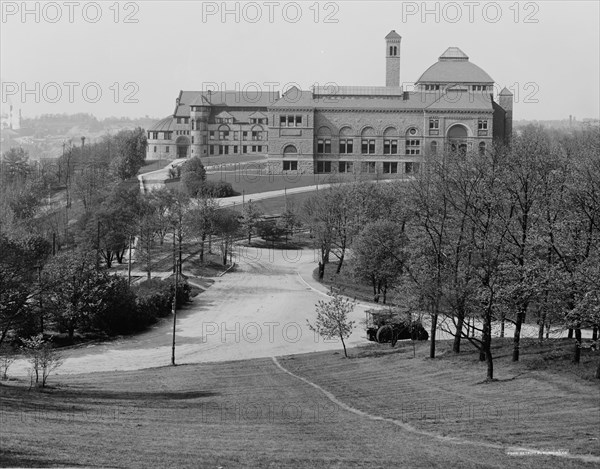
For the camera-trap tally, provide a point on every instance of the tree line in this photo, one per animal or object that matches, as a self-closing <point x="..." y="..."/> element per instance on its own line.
<point x="478" y="240"/>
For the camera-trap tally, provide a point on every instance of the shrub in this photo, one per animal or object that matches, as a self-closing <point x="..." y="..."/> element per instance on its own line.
<point x="217" y="189"/>
<point x="43" y="358"/>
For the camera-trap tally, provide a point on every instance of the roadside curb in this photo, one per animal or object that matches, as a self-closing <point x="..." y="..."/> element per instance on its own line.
<point x="227" y="270"/>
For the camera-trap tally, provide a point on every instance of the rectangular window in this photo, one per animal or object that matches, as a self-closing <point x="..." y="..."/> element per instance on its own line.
<point x="212" y="149"/>
<point x="154" y="149"/>
<point x="345" y="167"/>
<point x="323" y="167"/>
<point x="179" y="120"/>
<point x="282" y="121"/>
<point x="236" y="135"/>
<point x="413" y="147"/>
<point x="244" y="149"/>
<point x="192" y="139"/>
<point x="259" y="148"/>
<point x="346" y="146"/>
<point x="298" y="121"/>
<point x="244" y="135"/>
<point x="220" y="149"/>
<point x="367" y="167"/>
<point x="390" y="167"/>
<point x="235" y="147"/>
<point x="212" y="134"/>
<point x="320" y="146"/>
<point x="434" y="126"/>
<point x="256" y="135"/>
<point x="290" y="165"/>
<point x="390" y="147"/>
<point x="482" y="127"/>
<point x="367" y="146"/>
<point x="167" y="149"/>
<point x="411" y="168"/>
<point x="224" y="135"/>
<point x="186" y="120"/>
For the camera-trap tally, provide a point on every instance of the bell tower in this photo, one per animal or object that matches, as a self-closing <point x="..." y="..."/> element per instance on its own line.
<point x="392" y="59"/>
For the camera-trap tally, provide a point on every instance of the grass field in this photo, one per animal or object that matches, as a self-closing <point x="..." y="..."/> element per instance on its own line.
<point x="251" y="414"/>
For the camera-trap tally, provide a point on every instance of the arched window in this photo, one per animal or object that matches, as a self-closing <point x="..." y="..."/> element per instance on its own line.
<point x="433" y="147"/>
<point x="290" y="149"/>
<point x="481" y="148"/>
<point x="391" y="50"/>
<point x="395" y="51"/>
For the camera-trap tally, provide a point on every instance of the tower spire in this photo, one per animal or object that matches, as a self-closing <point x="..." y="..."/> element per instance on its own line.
<point x="392" y="60"/>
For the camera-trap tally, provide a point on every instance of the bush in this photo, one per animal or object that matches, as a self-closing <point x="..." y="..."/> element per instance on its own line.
<point x="216" y="189"/>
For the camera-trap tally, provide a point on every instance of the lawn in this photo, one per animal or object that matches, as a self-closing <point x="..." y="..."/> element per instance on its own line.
<point x="252" y="414"/>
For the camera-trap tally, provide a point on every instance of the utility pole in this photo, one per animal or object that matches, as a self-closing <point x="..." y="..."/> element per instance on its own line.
<point x="174" y="313"/>
<point x="129" y="266"/>
<point x="98" y="247"/>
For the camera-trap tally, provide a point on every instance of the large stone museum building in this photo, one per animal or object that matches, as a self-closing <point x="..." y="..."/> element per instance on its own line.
<point x="382" y="129"/>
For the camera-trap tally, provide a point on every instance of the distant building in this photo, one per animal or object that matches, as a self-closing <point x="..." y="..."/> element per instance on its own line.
<point x="382" y="129"/>
<point x="11" y="120"/>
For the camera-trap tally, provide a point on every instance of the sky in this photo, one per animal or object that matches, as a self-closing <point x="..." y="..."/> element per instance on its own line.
<point x="131" y="59"/>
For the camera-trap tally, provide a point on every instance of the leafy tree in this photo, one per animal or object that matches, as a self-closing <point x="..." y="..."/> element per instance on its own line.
<point x="193" y="176"/>
<point x="130" y="152"/>
<point x="379" y="252"/>
<point x="332" y="319"/>
<point x="251" y="215"/>
<point x="200" y="220"/>
<point x="226" y="227"/>
<point x="15" y="165"/>
<point x="20" y="264"/>
<point x="270" y="231"/>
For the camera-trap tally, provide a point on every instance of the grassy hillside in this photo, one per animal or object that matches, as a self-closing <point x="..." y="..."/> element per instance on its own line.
<point x="252" y="414"/>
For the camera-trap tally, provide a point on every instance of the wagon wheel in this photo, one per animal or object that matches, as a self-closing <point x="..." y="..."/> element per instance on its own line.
<point x="386" y="334"/>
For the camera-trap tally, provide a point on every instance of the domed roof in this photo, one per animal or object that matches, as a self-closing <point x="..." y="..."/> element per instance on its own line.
<point x="453" y="66"/>
<point x="162" y="125"/>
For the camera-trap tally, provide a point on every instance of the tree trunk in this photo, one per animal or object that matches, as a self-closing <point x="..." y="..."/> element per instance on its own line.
<point x="542" y="324"/>
<point x="434" y="318"/>
<point x="339" y="266"/>
<point x="344" y="345"/>
<point x="202" y="248"/>
<point x="595" y="333"/>
<point x="502" y="321"/>
<point x="490" y="363"/>
<point x="570" y="335"/>
<point x="577" y="351"/>
<point x="517" y="337"/>
<point x="321" y="270"/>
<point x="459" y="326"/>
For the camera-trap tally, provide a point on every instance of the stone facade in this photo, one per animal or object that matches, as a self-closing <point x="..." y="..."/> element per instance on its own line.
<point x="386" y="130"/>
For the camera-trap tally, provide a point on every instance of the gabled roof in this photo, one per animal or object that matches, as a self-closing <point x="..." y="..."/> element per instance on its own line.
<point x="224" y="115"/>
<point x="393" y="35"/>
<point x="258" y="114"/>
<point x="240" y="99"/>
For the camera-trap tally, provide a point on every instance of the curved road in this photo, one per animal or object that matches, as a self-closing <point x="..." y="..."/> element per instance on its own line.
<point x="258" y="310"/>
